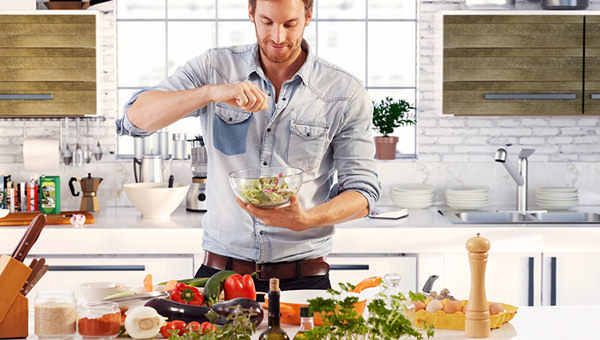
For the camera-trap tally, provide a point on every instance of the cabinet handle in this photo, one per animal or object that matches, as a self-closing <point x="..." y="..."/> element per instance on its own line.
<point x="530" y="282"/>
<point x="553" y="281"/>
<point x="595" y="96"/>
<point x="530" y="96"/>
<point x="123" y="268"/>
<point x="26" y="96"/>
<point x="348" y="267"/>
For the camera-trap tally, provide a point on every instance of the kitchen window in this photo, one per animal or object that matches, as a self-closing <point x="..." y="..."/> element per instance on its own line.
<point x="373" y="39"/>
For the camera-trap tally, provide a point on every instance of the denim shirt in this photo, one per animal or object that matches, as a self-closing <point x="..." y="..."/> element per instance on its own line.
<point x="321" y="123"/>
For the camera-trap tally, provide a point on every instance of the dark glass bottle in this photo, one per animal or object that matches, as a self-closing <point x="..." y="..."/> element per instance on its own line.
<point x="306" y="322"/>
<point x="274" y="330"/>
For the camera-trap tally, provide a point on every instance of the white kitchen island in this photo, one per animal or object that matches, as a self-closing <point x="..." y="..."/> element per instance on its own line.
<point x="121" y="246"/>
<point x="530" y="323"/>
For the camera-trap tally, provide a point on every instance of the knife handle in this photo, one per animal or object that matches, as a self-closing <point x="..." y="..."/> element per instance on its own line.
<point x="31" y="235"/>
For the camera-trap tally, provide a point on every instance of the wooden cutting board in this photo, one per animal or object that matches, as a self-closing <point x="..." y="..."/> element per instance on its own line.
<point x="25" y="218"/>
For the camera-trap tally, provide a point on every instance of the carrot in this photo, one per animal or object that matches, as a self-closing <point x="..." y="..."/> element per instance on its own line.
<point x="170" y="285"/>
<point x="369" y="282"/>
<point x="148" y="287"/>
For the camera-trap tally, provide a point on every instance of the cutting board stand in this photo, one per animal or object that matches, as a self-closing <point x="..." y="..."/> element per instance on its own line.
<point x="14" y="307"/>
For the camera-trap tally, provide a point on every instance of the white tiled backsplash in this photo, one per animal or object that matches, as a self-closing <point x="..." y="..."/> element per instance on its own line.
<point x="452" y="151"/>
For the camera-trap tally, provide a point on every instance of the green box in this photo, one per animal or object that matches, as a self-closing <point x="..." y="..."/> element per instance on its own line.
<point x="49" y="194"/>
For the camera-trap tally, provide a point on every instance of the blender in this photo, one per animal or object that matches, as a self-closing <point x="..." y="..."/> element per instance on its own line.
<point x="196" y="195"/>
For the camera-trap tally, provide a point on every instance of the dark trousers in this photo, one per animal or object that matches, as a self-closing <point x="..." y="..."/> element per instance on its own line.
<point x="309" y="282"/>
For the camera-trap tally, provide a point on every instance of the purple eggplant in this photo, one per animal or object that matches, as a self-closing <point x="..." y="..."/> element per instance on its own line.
<point x="238" y="305"/>
<point x="178" y="311"/>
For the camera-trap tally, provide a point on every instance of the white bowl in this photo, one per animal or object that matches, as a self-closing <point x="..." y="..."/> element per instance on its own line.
<point x="4" y="212"/>
<point x="96" y="291"/>
<point x="156" y="200"/>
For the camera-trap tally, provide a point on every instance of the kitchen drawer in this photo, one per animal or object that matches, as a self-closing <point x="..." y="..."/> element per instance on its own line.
<point x="353" y="267"/>
<point x="68" y="271"/>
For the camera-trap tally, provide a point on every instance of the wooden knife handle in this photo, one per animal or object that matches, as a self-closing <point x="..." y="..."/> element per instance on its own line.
<point x="31" y="235"/>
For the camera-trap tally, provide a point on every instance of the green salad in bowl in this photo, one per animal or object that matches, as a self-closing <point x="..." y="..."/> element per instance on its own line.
<point x="266" y="187"/>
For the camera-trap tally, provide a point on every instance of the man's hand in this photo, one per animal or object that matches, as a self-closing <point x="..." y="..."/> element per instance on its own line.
<point x="244" y="95"/>
<point x="292" y="216"/>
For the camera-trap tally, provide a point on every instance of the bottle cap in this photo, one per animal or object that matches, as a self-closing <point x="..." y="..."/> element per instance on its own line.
<point x="304" y="312"/>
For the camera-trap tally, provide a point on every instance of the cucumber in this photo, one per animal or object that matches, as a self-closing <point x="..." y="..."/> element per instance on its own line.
<point x="214" y="286"/>
<point x="193" y="282"/>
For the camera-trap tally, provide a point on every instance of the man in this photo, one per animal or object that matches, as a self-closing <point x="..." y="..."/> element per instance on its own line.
<point x="272" y="103"/>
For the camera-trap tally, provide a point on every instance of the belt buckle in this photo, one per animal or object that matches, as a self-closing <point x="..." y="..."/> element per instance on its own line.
<point x="258" y="270"/>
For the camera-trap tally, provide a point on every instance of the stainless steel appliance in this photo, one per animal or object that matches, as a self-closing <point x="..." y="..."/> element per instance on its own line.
<point x="150" y="168"/>
<point x="196" y="195"/>
<point x="564" y="4"/>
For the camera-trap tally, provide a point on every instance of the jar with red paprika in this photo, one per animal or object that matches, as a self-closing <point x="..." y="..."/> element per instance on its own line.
<point x="99" y="320"/>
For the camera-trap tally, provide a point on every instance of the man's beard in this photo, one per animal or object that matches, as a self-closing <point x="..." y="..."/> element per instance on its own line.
<point x="275" y="57"/>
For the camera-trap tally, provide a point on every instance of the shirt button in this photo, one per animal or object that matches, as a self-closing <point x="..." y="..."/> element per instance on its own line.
<point x="283" y="98"/>
<point x="269" y="94"/>
<point x="261" y="232"/>
<point x="230" y="119"/>
<point x="265" y="163"/>
<point x="268" y="129"/>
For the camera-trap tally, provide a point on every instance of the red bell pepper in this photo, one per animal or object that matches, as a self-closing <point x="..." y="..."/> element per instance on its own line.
<point x="239" y="286"/>
<point x="186" y="294"/>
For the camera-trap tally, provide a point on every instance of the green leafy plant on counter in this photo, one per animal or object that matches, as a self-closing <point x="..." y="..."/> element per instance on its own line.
<point x="389" y="114"/>
<point x="238" y="326"/>
<point x="387" y="317"/>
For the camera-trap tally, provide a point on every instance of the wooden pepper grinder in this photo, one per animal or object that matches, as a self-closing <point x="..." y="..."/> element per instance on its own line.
<point x="477" y="323"/>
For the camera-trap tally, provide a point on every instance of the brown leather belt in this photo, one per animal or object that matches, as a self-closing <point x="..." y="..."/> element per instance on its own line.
<point x="265" y="271"/>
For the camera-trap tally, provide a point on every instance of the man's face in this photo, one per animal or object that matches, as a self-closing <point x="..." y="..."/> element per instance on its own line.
<point x="279" y="28"/>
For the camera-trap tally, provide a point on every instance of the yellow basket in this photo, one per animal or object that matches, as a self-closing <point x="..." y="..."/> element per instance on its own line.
<point x="443" y="320"/>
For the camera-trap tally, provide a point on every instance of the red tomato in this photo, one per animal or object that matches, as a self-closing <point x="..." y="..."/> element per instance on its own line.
<point x="207" y="327"/>
<point x="192" y="327"/>
<point x="175" y="324"/>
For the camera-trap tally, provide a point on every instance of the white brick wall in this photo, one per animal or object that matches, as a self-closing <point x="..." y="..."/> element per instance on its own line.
<point x="452" y="151"/>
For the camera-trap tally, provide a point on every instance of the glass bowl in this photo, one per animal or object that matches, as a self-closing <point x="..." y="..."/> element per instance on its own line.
<point x="266" y="187"/>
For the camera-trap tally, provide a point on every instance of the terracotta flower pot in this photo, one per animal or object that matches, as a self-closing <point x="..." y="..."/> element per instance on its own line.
<point x="385" y="147"/>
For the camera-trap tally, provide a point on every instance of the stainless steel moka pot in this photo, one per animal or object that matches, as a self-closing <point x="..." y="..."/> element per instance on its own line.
<point x="196" y="195"/>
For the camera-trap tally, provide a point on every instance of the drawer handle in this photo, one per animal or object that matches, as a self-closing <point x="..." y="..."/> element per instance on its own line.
<point x="530" y="96"/>
<point x="595" y="96"/>
<point x="26" y="96"/>
<point x="97" y="268"/>
<point x="348" y="267"/>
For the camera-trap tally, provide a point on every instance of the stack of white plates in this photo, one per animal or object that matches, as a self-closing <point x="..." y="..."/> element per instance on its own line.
<point x="467" y="198"/>
<point x="413" y="196"/>
<point x="557" y="198"/>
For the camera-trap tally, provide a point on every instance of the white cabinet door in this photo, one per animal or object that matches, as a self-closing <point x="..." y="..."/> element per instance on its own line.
<point x="69" y="271"/>
<point x="353" y="268"/>
<point x="571" y="279"/>
<point x="513" y="278"/>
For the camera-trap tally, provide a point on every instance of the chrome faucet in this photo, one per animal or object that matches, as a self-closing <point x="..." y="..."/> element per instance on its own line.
<point x="519" y="174"/>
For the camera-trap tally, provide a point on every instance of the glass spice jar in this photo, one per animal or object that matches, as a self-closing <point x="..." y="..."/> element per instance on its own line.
<point x="99" y="320"/>
<point x="55" y="314"/>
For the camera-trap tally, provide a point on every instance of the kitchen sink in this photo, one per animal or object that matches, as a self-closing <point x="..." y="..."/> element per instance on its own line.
<point x="518" y="217"/>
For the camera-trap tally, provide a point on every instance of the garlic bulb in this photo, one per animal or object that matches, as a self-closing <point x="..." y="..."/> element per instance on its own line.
<point x="143" y="322"/>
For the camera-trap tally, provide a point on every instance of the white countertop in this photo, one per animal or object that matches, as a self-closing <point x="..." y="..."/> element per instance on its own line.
<point x="123" y="231"/>
<point x="530" y="323"/>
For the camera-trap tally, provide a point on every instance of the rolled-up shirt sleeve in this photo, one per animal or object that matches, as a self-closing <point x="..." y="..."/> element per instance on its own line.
<point x="355" y="150"/>
<point x="124" y="126"/>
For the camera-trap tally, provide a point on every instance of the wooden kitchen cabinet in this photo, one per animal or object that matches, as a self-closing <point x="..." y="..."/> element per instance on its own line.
<point x="48" y="64"/>
<point x="354" y="267"/>
<point x="503" y="64"/>
<point x="68" y="271"/>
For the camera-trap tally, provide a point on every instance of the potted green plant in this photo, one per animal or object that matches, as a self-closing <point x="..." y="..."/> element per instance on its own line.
<point x="389" y="114"/>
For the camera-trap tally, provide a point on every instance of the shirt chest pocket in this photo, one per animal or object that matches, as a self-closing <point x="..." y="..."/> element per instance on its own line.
<point x="307" y="144"/>
<point x="230" y="130"/>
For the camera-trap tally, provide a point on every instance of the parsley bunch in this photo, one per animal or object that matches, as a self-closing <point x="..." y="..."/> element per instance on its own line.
<point x="387" y="317"/>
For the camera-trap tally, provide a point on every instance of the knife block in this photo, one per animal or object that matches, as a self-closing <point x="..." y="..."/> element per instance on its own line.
<point x="14" y="307"/>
